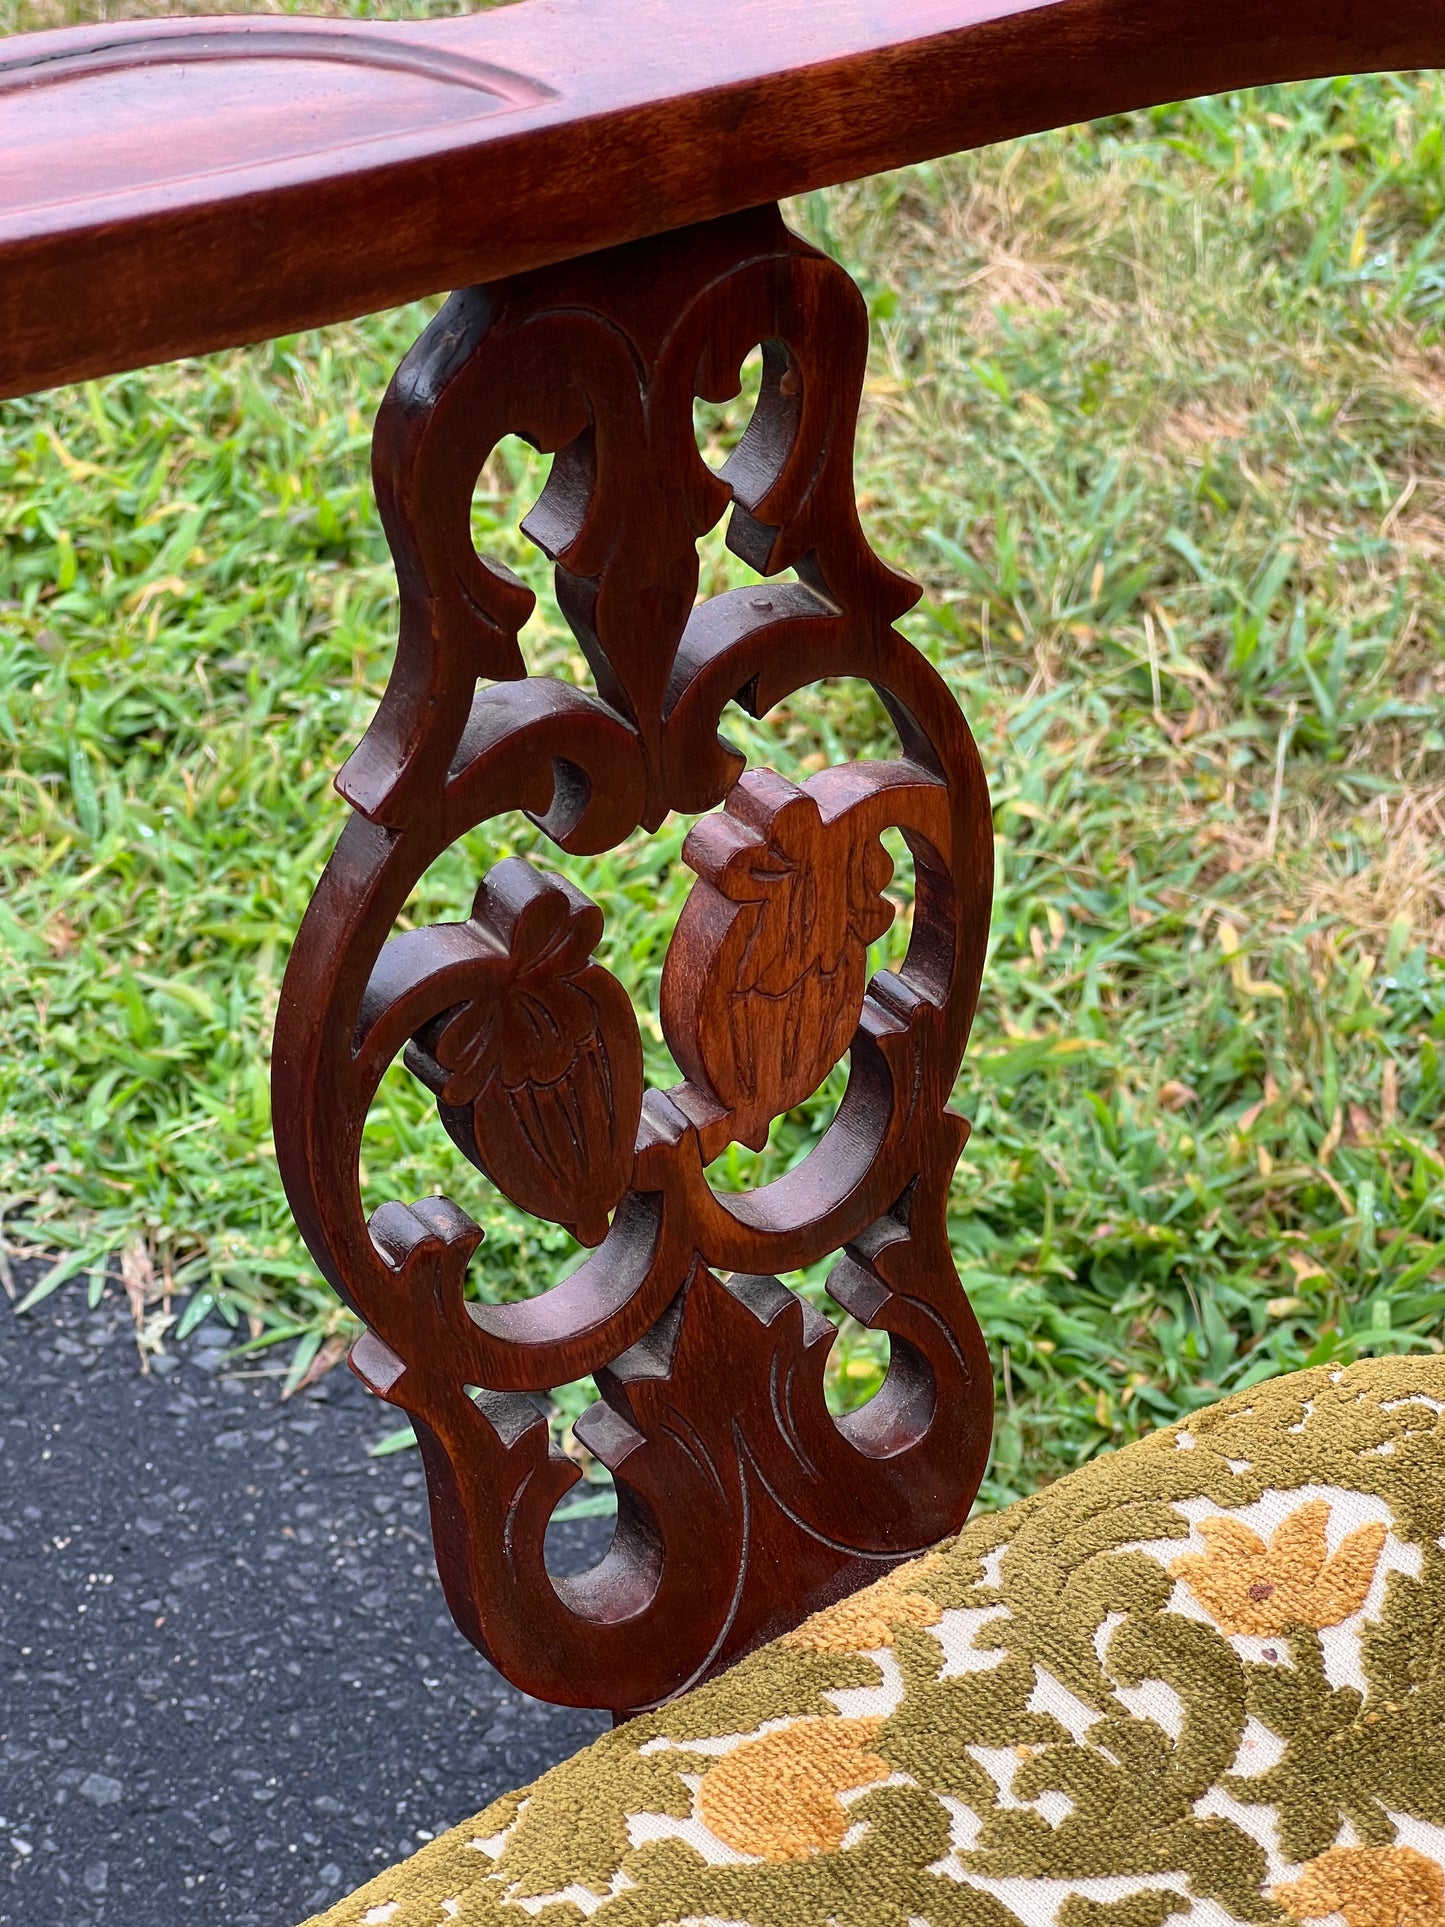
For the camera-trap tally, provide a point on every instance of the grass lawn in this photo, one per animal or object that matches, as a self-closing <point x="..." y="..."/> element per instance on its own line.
<point x="1157" y="415"/>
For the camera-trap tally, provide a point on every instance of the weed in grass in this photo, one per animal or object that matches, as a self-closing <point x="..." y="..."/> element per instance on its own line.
<point x="1157" y="414"/>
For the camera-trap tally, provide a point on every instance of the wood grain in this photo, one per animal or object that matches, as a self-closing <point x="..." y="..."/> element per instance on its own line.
<point x="742" y="1503"/>
<point x="152" y="208"/>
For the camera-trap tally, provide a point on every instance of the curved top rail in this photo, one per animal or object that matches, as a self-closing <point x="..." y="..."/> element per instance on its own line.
<point x="170" y="187"/>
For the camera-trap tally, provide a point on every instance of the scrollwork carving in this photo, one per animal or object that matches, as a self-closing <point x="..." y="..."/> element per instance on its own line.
<point x="742" y="1502"/>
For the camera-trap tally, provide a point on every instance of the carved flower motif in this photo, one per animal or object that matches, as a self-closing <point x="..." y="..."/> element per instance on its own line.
<point x="530" y="1027"/>
<point x="765" y="978"/>
<point x="1370" y="1886"/>
<point x="1247" y="1586"/>
<point x="777" y="1796"/>
<point x="538" y="1075"/>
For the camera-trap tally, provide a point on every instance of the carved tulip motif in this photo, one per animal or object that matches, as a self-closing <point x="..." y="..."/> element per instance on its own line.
<point x="538" y="1076"/>
<point x="765" y="978"/>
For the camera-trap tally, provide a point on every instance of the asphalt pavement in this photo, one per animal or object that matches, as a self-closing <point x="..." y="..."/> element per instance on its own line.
<point x="230" y="1690"/>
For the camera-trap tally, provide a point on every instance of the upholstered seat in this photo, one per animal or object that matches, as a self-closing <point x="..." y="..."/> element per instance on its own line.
<point x="1202" y="1678"/>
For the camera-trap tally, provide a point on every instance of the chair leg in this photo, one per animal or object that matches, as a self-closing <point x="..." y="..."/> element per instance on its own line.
<point x="743" y="1505"/>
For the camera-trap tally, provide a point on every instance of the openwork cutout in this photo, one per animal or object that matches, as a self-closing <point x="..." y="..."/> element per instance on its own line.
<point x="743" y="1504"/>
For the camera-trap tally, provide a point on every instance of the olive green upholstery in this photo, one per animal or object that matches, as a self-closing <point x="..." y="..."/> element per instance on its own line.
<point x="1199" y="1680"/>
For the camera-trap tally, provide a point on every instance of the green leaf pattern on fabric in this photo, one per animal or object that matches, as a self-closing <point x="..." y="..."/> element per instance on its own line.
<point x="1062" y="1725"/>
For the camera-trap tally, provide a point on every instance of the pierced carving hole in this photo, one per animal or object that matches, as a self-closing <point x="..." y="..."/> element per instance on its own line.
<point x="737" y="1169"/>
<point x="720" y="425"/>
<point x="406" y="1154"/>
<point x="888" y="951"/>
<point x="857" y="1368"/>
<point x="720" y="571"/>
<point x="755" y="436"/>
<point x="518" y="484"/>
<point x="746" y="439"/>
<point x="859" y="1360"/>
<point x="556" y="519"/>
<point x="581" y="1535"/>
<point x="838" y="719"/>
<point x="580" y="1532"/>
<point x="513" y="478"/>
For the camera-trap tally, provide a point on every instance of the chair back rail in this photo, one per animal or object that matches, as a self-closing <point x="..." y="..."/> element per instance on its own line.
<point x="170" y="187"/>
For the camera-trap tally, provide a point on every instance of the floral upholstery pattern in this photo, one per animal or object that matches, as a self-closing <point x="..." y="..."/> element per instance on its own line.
<point x="1200" y="1680"/>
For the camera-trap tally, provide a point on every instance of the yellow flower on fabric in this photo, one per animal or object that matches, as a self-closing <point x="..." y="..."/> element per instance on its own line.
<point x="866" y="1620"/>
<point x="777" y="1796"/>
<point x="1370" y="1886"/>
<point x="1247" y="1586"/>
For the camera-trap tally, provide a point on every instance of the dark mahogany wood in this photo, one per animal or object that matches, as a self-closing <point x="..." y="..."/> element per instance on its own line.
<point x="169" y="187"/>
<point x="743" y="1504"/>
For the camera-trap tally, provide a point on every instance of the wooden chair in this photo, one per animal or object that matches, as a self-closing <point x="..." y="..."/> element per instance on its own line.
<point x="957" y="1741"/>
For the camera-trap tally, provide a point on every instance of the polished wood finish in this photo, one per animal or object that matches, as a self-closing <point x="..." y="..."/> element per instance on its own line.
<point x="169" y="187"/>
<point x="743" y="1504"/>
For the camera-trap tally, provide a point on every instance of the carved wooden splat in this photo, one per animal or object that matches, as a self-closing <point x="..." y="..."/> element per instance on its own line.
<point x="743" y="1504"/>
